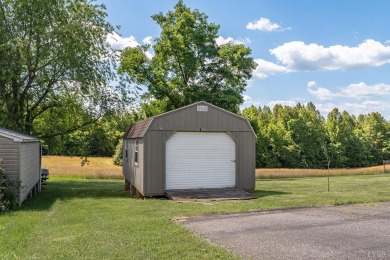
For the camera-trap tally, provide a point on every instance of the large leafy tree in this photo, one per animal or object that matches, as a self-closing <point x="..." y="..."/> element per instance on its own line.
<point x="54" y="54"/>
<point x="374" y="130"/>
<point x="258" y="118"/>
<point x="97" y="139"/>
<point x="348" y="150"/>
<point x="307" y="130"/>
<point x="187" y="64"/>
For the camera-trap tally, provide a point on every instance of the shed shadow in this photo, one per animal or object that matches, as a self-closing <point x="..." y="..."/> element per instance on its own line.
<point x="72" y="189"/>
<point x="265" y="193"/>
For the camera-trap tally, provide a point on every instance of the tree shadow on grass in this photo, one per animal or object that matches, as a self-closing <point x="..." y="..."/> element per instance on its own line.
<point x="63" y="189"/>
<point x="72" y="189"/>
<point x="265" y="193"/>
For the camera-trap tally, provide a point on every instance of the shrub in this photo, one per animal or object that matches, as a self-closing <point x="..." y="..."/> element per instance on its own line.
<point x="118" y="156"/>
<point x="9" y="191"/>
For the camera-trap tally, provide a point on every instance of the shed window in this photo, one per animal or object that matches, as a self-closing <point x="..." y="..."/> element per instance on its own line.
<point x="136" y="151"/>
<point x="126" y="155"/>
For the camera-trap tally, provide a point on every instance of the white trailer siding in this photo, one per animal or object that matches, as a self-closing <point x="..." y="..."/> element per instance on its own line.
<point x="29" y="168"/>
<point x="21" y="155"/>
<point x="9" y="153"/>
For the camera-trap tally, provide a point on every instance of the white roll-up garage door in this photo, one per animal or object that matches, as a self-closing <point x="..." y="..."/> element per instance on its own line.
<point x="200" y="160"/>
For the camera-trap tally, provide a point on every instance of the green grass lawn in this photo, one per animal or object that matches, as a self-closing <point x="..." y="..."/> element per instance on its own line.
<point x="95" y="219"/>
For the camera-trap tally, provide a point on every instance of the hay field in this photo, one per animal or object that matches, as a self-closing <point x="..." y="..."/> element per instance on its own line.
<point x="293" y="173"/>
<point x="97" y="168"/>
<point x="103" y="168"/>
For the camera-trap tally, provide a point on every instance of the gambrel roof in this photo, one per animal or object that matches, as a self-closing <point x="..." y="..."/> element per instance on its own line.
<point x="139" y="129"/>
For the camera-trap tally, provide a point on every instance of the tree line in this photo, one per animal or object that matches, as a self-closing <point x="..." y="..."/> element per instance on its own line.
<point x="300" y="137"/>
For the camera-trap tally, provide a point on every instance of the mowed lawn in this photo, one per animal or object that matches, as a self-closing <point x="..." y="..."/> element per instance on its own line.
<point x="78" y="218"/>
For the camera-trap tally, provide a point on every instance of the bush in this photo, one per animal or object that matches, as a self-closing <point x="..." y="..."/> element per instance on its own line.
<point x="9" y="191"/>
<point x="118" y="156"/>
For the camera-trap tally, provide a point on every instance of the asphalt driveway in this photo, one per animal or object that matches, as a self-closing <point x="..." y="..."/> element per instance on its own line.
<point x="340" y="232"/>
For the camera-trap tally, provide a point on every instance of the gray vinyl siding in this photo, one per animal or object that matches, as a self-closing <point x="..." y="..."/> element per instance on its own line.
<point x="139" y="169"/>
<point x="9" y="152"/>
<point x="155" y="162"/>
<point x="245" y="160"/>
<point x="29" y="168"/>
<point x="126" y="161"/>
<point x="149" y="176"/>
<point x="188" y="119"/>
<point x="133" y="172"/>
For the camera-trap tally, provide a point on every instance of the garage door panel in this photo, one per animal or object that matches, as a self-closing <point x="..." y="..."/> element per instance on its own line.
<point x="200" y="160"/>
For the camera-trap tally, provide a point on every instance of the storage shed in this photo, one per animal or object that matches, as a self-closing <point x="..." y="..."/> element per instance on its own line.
<point x="193" y="147"/>
<point x="21" y="156"/>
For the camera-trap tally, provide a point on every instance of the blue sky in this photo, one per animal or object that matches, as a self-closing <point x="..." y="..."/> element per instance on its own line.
<point x="335" y="53"/>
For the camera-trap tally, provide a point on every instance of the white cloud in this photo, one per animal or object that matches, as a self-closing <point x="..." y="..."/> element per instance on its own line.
<point x="320" y="92"/>
<point x="248" y="101"/>
<point x="326" y="108"/>
<point x="265" y="68"/>
<point x="264" y="24"/>
<point x="356" y="109"/>
<point x="311" y="84"/>
<point x="323" y="93"/>
<point x="299" y="56"/>
<point x="355" y="91"/>
<point x="290" y="103"/>
<point x="148" y="40"/>
<point x="362" y="90"/>
<point x="118" y="42"/>
<point x="247" y="98"/>
<point x="355" y="98"/>
<point x="221" y="40"/>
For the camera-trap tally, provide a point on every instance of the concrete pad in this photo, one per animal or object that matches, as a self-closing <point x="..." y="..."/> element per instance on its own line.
<point x="341" y="232"/>
<point x="209" y="194"/>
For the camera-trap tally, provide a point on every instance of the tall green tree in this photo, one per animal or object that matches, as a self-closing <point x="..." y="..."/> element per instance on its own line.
<point x="51" y="54"/>
<point x="254" y="116"/>
<point x="188" y="65"/>
<point x="374" y="130"/>
<point x="308" y="132"/>
<point x="283" y="151"/>
<point x="339" y="136"/>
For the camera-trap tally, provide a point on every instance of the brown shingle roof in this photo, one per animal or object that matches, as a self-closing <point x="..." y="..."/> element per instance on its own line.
<point x="137" y="130"/>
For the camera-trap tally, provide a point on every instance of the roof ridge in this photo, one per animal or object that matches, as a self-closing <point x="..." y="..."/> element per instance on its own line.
<point x="16" y="136"/>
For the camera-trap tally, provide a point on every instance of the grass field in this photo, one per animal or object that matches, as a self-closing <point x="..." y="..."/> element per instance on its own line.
<point x="294" y="173"/>
<point x="79" y="218"/>
<point x="103" y="168"/>
<point x="97" y="168"/>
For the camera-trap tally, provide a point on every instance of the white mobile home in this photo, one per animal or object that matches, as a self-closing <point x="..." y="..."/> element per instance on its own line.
<point x="21" y="155"/>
